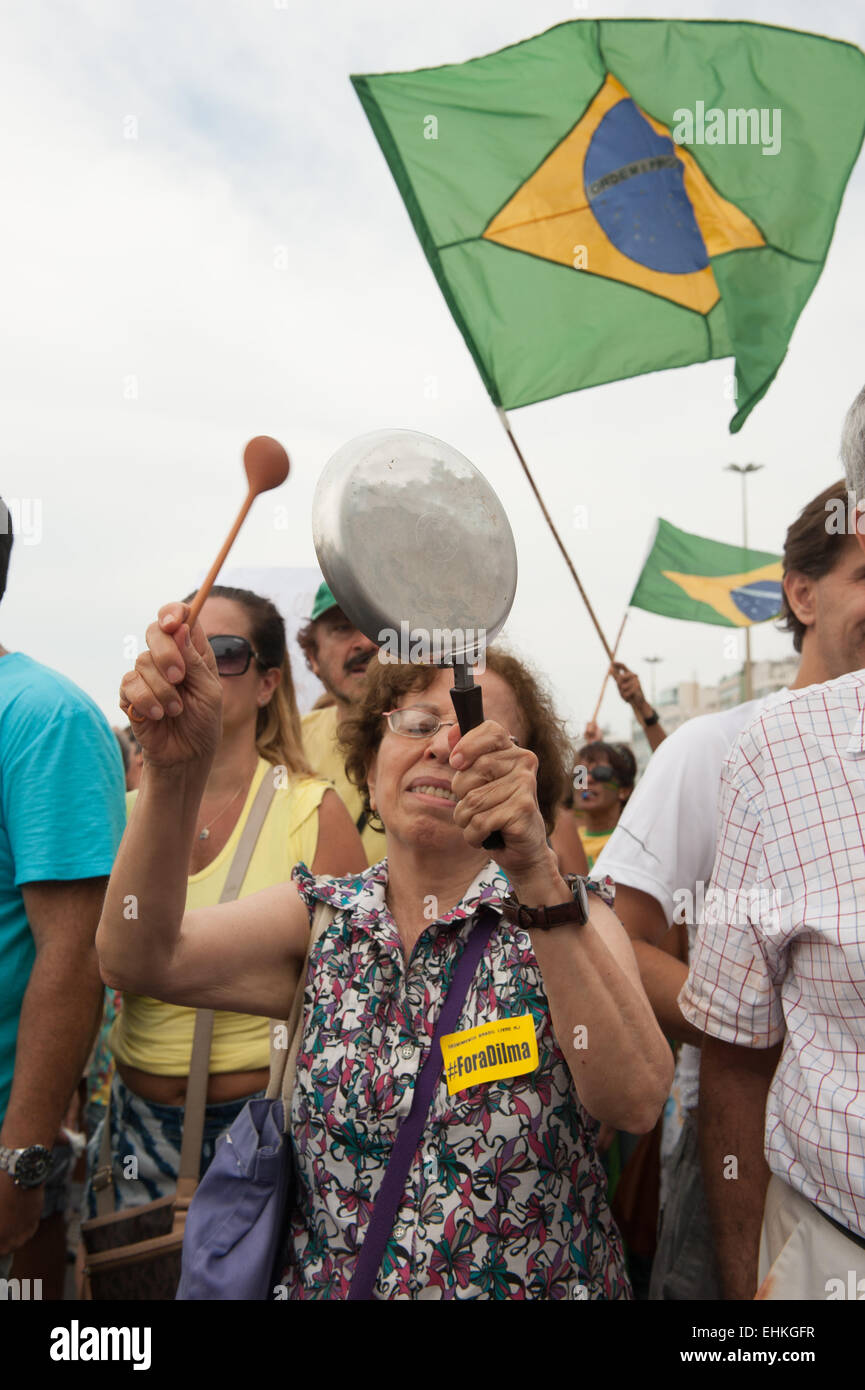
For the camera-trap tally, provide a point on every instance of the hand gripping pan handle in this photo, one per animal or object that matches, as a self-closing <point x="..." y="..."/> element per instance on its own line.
<point x="468" y="702"/>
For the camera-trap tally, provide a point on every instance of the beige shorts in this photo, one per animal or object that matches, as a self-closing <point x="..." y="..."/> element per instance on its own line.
<point x="802" y="1255"/>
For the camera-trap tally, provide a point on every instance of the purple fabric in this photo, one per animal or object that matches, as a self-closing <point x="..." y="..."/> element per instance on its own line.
<point x="237" y="1217"/>
<point x="406" y="1144"/>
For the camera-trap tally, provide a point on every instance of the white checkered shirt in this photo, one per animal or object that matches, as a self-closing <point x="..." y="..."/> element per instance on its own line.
<point x="781" y="954"/>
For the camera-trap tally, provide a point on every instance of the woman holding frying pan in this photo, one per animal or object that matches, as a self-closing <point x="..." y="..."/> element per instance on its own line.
<point x="504" y="1197"/>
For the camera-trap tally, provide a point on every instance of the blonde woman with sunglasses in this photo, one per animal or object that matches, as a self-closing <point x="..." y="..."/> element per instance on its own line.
<point x="306" y="822"/>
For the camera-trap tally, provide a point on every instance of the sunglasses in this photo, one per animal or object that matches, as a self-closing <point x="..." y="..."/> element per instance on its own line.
<point x="600" y="773"/>
<point x="233" y="655"/>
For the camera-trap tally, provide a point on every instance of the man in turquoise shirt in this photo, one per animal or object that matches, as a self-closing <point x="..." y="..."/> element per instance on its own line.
<point x="61" y="819"/>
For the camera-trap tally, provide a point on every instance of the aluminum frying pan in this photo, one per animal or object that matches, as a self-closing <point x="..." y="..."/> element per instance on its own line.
<point x="418" y="552"/>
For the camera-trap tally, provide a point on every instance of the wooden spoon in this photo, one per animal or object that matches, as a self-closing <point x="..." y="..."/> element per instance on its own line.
<point x="267" y="465"/>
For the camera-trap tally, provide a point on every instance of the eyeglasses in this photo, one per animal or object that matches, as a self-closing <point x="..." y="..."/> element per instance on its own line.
<point x="414" y="722"/>
<point x="233" y="655"/>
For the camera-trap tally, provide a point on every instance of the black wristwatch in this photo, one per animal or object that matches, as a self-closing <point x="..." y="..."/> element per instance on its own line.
<point x="575" y="911"/>
<point x="26" y="1167"/>
<point x="652" y="719"/>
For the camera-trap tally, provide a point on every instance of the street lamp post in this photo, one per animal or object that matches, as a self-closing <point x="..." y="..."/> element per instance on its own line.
<point x="743" y="470"/>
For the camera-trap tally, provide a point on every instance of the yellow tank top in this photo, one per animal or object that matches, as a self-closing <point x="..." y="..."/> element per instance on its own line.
<point x="324" y="756"/>
<point x="157" y="1037"/>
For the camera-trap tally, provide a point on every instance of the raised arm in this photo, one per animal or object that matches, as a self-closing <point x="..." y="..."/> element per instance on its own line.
<point x="624" y="1071"/>
<point x="242" y="956"/>
<point x="623" y="1067"/>
<point x="632" y="693"/>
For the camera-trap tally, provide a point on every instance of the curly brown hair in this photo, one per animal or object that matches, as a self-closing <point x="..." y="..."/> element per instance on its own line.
<point x="362" y="732"/>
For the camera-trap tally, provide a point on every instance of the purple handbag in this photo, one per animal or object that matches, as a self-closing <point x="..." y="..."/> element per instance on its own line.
<point x="239" y="1215"/>
<point x="236" y="1220"/>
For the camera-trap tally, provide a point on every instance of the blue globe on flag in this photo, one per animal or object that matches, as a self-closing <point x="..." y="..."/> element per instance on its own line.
<point x="759" y="601"/>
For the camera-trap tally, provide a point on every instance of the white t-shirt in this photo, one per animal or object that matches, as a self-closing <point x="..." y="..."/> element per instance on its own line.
<point x="665" y="841"/>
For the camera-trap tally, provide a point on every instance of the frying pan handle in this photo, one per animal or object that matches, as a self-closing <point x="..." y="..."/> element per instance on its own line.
<point x="469" y="709"/>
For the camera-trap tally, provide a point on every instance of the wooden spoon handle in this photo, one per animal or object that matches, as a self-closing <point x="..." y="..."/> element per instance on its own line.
<point x="200" y="597"/>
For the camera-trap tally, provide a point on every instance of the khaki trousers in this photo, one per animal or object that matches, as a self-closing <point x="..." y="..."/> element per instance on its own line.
<point x="802" y="1255"/>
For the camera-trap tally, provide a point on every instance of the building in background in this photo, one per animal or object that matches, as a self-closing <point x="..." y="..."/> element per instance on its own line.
<point x="689" y="698"/>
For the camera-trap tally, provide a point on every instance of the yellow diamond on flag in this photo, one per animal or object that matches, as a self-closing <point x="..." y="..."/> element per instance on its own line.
<point x="742" y="599"/>
<point x="618" y="198"/>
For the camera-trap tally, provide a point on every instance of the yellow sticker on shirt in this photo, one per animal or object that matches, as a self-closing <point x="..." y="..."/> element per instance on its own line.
<point x="504" y="1047"/>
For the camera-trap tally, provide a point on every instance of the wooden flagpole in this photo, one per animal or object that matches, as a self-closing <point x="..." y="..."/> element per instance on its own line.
<point x="557" y="538"/>
<point x="607" y="676"/>
<point x="506" y="424"/>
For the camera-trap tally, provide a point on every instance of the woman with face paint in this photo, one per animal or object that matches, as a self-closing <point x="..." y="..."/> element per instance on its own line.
<point x="603" y="780"/>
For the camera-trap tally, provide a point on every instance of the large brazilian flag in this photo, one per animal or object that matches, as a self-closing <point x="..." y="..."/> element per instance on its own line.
<point x="615" y="197"/>
<point x="704" y="581"/>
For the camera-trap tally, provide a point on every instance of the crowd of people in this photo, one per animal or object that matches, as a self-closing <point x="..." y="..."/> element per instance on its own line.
<point x="686" y="1120"/>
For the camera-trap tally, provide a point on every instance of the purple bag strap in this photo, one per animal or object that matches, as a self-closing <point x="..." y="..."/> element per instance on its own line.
<point x="406" y="1144"/>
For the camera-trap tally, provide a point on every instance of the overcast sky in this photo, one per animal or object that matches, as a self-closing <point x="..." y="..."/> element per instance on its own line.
<point x="201" y="242"/>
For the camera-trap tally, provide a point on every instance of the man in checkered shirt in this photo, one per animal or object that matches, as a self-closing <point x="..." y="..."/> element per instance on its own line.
<point x="778" y="975"/>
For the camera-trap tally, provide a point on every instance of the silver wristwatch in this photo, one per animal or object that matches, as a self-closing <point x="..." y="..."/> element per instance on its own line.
<point x="26" y="1167"/>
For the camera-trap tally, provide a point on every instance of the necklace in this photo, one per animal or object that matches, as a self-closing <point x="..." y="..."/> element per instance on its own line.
<point x="204" y="834"/>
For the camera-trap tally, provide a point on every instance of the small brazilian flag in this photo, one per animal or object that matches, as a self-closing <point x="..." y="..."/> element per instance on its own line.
<point x="704" y="581"/>
<point x="615" y="197"/>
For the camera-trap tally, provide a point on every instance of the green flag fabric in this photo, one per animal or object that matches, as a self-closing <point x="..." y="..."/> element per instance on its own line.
<point x="614" y="197"/>
<point x="703" y="581"/>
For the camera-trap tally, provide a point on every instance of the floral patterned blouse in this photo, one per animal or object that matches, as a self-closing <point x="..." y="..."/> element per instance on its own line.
<point x="506" y="1198"/>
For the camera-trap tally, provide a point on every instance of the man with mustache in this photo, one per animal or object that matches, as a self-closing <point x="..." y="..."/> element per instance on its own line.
<point x="338" y="653"/>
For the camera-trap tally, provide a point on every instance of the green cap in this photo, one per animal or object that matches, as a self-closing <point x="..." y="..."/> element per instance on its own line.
<point x="324" y="600"/>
